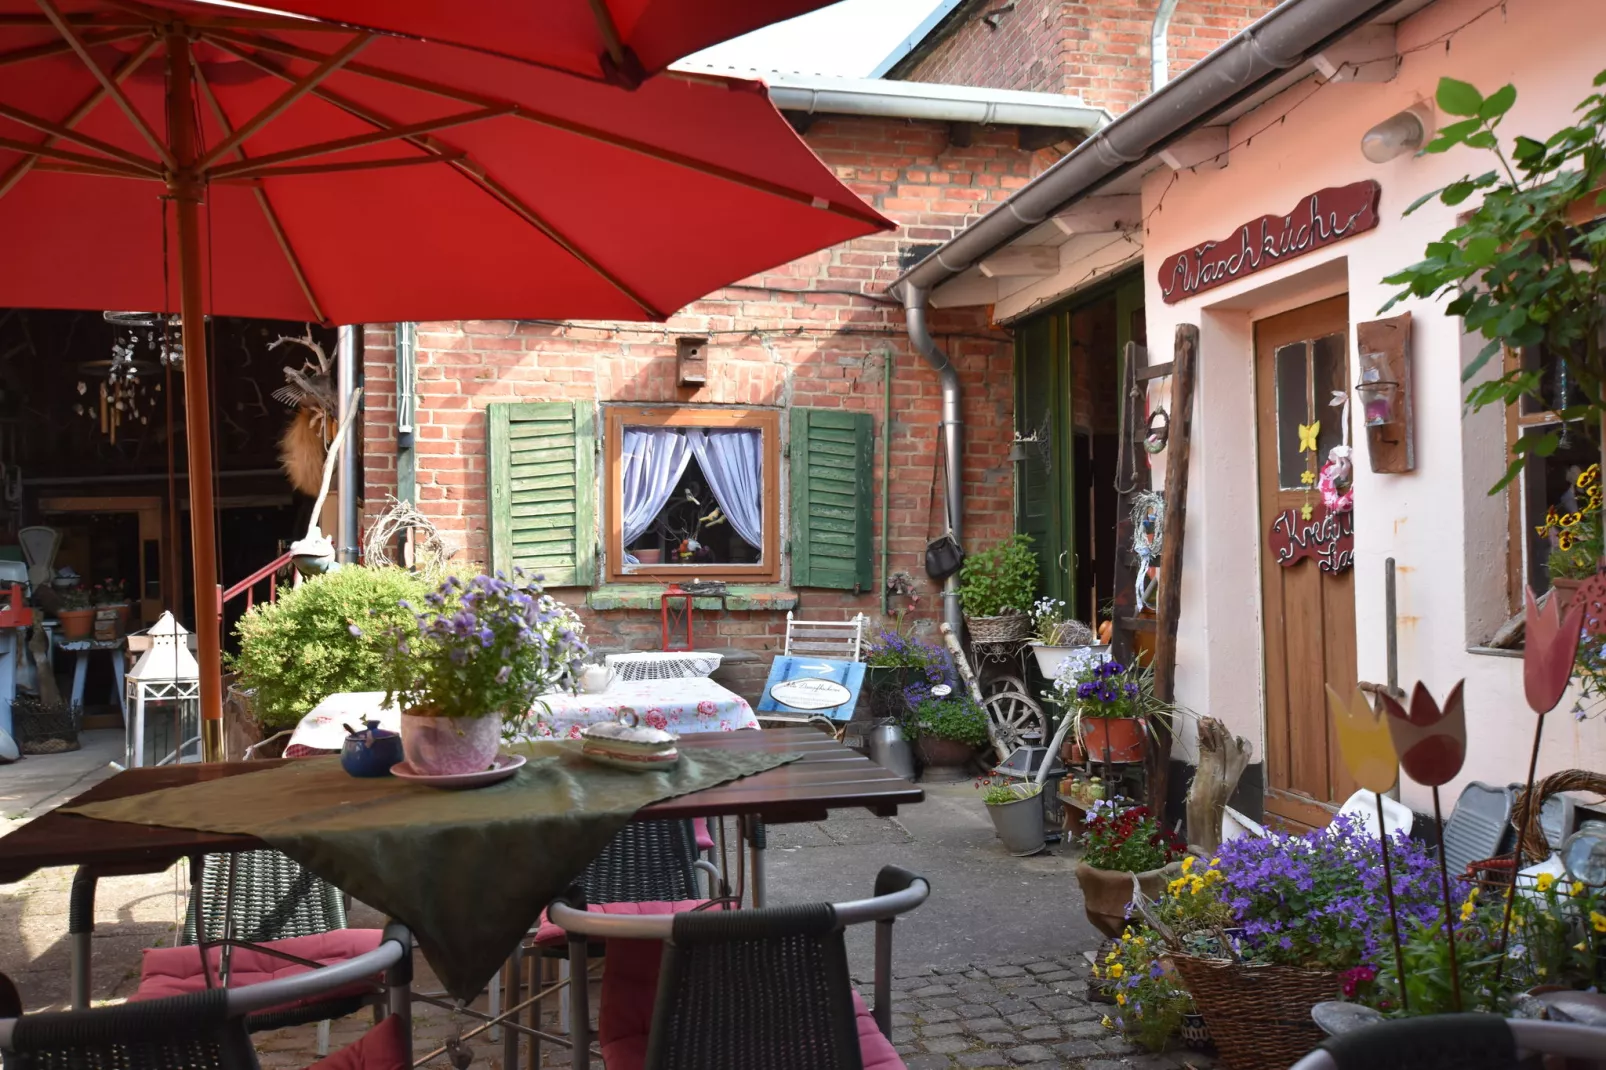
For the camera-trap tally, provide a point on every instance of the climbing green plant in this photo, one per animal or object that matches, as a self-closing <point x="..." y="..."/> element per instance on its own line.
<point x="1524" y="267"/>
<point x="1001" y="579"/>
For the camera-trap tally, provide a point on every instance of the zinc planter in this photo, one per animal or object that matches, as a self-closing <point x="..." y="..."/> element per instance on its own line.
<point x="1106" y="893"/>
<point x="450" y="746"/>
<point x="1019" y="824"/>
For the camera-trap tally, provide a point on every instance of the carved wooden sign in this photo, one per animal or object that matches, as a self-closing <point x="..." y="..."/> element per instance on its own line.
<point x="1328" y="537"/>
<point x="1320" y="219"/>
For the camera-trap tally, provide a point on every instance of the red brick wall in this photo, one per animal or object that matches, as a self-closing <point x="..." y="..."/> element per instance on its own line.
<point x="783" y="342"/>
<point x="1098" y="51"/>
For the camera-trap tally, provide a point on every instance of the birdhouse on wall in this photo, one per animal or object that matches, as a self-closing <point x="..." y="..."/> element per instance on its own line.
<point x="691" y="361"/>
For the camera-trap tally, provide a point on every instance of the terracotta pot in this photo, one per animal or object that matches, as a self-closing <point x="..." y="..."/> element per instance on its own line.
<point x="448" y="746"/>
<point x="1106" y="893"/>
<point x="1565" y="588"/>
<point x="1071" y="752"/>
<point x="649" y="557"/>
<point x="1125" y="737"/>
<point x="943" y="753"/>
<point x="76" y="623"/>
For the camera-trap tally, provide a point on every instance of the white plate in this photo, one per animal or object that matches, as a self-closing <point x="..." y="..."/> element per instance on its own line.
<point x="506" y="765"/>
<point x="642" y="764"/>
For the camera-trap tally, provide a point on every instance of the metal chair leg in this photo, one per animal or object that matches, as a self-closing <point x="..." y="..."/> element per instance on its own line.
<point x="323" y="1038"/>
<point x="513" y="975"/>
<point x="493" y="1001"/>
<point x="81" y="931"/>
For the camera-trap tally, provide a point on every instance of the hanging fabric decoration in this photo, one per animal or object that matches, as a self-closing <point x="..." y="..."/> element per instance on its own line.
<point x="1148" y="529"/>
<point x="1336" y="480"/>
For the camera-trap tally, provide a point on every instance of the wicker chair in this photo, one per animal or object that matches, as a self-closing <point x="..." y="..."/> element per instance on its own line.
<point x="650" y="866"/>
<point x="255" y="916"/>
<point x="767" y="987"/>
<point x="1454" y="1042"/>
<point x="208" y="1029"/>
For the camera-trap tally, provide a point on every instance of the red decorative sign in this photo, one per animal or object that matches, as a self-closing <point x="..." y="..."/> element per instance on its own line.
<point x="1320" y="219"/>
<point x="1328" y="537"/>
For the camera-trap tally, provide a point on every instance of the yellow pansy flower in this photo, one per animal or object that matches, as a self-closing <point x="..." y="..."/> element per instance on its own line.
<point x="1214" y="862"/>
<point x="1111" y="957"/>
<point x="1578" y="889"/>
<point x="1096" y="972"/>
<point x="1106" y="1022"/>
<point x="1138" y="941"/>
<point x="1598" y="921"/>
<point x="1545" y="882"/>
<point x="1126" y="934"/>
<point x="1117" y="970"/>
<point x="1581" y="946"/>
<point x="1176" y="886"/>
<point x="1187" y="863"/>
<point x="1466" y="910"/>
<point x="1120" y="997"/>
<point x="1196" y="885"/>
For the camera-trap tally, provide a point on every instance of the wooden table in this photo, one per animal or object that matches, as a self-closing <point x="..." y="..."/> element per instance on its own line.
<point x="828" y="777"/>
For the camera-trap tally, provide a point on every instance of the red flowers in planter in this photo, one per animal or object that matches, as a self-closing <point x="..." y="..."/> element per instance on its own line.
<point x="1547" y="663"/>
<point x="1431" y="743"/>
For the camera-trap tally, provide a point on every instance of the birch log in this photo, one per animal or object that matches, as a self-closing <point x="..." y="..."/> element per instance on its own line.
<point x="1222" y="760"/>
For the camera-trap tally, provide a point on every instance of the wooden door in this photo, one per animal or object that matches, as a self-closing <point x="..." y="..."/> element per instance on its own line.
<point x="1301" y="361"/>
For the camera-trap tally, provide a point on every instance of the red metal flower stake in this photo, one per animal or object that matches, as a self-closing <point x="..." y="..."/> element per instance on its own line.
<point x="1368" y="750"/>
<point x="1547" y="669"/>
<point x="1432" y="745"/>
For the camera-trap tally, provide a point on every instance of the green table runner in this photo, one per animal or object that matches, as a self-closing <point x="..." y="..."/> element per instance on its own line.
<point x="468" y="871"/>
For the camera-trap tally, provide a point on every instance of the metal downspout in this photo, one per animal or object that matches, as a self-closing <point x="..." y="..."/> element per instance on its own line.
<point x="1159" y="59"/>
<point x="890" y="363"/>
<point x="346" y="358"/>
<point x="953" y="425"/>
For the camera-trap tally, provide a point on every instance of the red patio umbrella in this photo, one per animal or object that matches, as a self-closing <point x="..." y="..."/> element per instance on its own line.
<point x="619" y="41"/>
<point x="273" y="167"/>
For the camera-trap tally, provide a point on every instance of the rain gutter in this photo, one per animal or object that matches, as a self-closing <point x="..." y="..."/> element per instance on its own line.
<point x="822" y="94"/>
<point x="952" y="431"/>
<point x="1159" y="59"/>
<point x="1257" y="56"/>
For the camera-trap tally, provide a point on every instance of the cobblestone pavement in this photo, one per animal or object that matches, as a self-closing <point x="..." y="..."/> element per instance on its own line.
<point x="1029" y="1012"/>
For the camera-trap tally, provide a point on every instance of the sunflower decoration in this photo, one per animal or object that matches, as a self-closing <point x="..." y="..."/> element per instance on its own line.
<point x="1574" y="527"/>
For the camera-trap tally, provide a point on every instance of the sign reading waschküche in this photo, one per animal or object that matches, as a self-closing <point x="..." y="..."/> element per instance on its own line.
<point x="1322" y="218"/>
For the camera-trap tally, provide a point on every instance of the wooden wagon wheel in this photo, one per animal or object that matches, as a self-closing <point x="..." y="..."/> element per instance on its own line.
<point x="1010" y="714"/>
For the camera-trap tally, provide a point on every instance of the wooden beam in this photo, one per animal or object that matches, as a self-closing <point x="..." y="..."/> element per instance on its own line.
<point x="1205" y="148"/>
<point x="66" y="133"/>
<point x="1179" y="447"/>
<point x="51" y="152"/>
<point x="109" y="84"/>
<point x="20" y="169"/>
<point x="1098" y="215"/>
<point x="1032" y="138"/>
<point x="1365" y="54"/>
<point x="611" y="44"/>
<point x="56" y="48"/>
<point x="349" y="165"/>
<point x="1022" y="262"/>
<point x="345" y="54"/>
<point x="323" y="148"/>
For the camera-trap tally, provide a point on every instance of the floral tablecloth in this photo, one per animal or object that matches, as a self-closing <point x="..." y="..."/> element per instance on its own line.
<point x="694" y="704"/>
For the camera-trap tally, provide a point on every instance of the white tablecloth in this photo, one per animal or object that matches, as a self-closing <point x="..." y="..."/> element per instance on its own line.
<point x="684" y="706"/>
<point x="694" y="704"/>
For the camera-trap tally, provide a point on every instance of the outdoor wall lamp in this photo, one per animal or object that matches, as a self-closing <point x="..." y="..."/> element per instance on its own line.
<point x="1397" y="135"/>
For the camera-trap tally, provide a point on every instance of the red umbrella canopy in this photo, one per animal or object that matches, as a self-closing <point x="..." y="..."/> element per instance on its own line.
<point x="620" y="41"/>
<point x="351" y="177"/>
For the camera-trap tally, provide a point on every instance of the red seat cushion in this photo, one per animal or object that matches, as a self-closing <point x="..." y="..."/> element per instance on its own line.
<point x="174" y="971"/>
<point x="548" y="934"/>
<point x="705" y="839"/>
<point x="384" y="1047"/>
<point x="630" y="991"/>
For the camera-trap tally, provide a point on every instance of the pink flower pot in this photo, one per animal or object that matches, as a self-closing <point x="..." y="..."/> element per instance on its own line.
<point x="449" y="746"/>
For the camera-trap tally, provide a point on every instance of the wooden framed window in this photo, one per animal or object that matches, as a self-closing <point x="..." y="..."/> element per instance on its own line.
<point x="692" y="493"/>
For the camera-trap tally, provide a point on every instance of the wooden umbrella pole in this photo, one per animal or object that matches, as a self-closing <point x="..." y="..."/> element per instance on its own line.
<point x="185" y="187"/>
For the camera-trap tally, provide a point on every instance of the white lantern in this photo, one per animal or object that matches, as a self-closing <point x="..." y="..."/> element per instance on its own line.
<point x="167" y="679"/>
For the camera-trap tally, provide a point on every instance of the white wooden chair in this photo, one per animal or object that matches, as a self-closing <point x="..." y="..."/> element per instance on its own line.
<point x="840" y="640"/>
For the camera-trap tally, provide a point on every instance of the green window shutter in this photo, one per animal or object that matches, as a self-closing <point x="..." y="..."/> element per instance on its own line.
<point x="543" y="490"/>
<point x="831" y="505"/>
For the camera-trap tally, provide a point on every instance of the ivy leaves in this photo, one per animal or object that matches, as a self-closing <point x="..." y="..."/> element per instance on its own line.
<point x="1520" y="268"/>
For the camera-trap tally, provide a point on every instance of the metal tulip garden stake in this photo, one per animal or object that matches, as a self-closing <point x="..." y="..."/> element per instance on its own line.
<point x="1432" y="744"/>
<point x="1368" y="750"/>
<point x="1547" y="668"/>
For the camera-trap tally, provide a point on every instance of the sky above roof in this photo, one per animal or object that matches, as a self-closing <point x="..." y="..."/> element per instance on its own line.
<point x="846" y="39"/>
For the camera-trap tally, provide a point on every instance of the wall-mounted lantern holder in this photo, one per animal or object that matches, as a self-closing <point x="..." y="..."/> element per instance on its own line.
<point x="1385" y="393"/>
<point x="691" y="361"/>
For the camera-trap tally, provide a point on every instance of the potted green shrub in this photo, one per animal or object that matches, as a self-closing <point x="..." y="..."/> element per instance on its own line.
<point x="1122" y="840"/>
<point x="947" y="730"/>
<point x="467" y="669"/>
<point x="996" y="587"/>
<point x="326" y="636"/>
<point x="1017" y="813"/>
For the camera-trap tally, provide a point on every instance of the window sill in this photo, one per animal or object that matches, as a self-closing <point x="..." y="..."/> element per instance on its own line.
<point x="1494" y="652"/>
<point x="738" y="597"/>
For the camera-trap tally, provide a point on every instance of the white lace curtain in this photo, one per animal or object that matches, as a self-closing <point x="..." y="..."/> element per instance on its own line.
<point x="653" y="460"/>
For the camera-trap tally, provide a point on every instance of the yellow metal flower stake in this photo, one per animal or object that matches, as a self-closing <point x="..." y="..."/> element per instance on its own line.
<point x="1432" y="745"/>
<point x="1368" y="750"/>
<point x="1547" y="669"/>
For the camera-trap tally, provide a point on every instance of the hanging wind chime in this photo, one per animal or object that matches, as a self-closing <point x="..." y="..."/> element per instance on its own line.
<point x="123" y="396"/>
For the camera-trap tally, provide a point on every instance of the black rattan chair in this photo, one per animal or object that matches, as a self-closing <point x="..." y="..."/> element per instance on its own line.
<point x="273" y="898"/>
<point x="1454" y="1042"/>
<point x="767" y="987"/>
<point x="208" y="1029"/>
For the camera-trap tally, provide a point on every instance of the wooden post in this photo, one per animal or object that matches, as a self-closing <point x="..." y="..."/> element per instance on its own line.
<point x="1178" y="448"/>
<point x="1222" y="760"/>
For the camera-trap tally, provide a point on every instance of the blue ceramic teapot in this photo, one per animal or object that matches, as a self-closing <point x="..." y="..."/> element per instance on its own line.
<point x="370" y="752"/>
